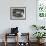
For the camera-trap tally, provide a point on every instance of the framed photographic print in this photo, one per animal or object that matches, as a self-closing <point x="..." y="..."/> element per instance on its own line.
<point x="18" y="13"/>
<point x="41" y="12"/>
<point x="41" y="8"/>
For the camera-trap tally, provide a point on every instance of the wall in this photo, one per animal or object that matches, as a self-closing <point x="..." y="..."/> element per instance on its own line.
<point x="24" y="25"/>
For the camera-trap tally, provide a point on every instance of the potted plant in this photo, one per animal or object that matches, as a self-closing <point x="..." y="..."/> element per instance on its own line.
<point x="38" y="27"/>
<point x="39" y="35"/>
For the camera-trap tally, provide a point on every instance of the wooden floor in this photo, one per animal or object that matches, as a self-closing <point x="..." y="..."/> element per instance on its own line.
<point x="13" y="44"/>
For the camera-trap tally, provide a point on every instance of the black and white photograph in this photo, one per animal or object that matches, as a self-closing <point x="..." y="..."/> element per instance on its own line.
<point x="17" y="13"/>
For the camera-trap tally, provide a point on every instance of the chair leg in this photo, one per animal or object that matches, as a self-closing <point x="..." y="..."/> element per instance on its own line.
<point x="5" y="43"/>
<point x="17" y="40"/>
<point x="5" y="39"/>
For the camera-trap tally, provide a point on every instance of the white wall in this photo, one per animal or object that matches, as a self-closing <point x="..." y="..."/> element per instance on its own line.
<point x="24" y="25"/>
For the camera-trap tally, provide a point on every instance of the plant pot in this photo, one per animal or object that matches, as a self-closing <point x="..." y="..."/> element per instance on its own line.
<point x="40" y="41"/>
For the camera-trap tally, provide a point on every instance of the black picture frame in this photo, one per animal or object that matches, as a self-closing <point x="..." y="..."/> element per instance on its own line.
<point x="17" y="13"/>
